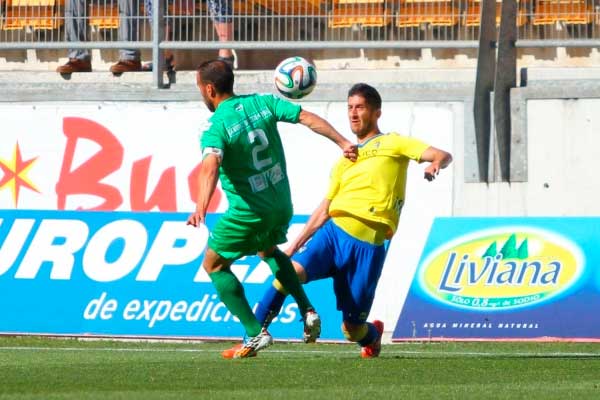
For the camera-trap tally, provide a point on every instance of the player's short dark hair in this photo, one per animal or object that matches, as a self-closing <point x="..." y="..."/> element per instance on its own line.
<point x="219" y="74"/>
<point x="367" y="92"/>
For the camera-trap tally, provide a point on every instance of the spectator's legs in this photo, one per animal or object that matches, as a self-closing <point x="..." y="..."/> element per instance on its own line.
<point x="169" y="58"/>
<point x="222" y="14"/>
<point x="76" y="31"/>
<point x="129" y="12"/>
<point x="76" y="26"/>
<point x="225" y="34"/>
<point x="129" y="59"/>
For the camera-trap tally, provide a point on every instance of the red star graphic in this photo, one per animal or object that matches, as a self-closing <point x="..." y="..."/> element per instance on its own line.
<point x="15" y="174"/>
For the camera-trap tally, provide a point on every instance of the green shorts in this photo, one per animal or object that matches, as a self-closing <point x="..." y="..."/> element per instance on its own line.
<point x="240" y="234"/>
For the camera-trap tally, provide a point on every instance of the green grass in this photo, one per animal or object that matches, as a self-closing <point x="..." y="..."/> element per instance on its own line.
<point x="37" y="368"/>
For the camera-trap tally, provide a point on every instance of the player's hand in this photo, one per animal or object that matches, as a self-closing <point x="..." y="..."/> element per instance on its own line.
<point x="432" y="171"/>
<point x="196" y="219"/>
<point x="351" y="151"/>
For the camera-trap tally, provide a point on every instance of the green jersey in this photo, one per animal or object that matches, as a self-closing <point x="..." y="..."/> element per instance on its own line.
<point x="243" y="131"/>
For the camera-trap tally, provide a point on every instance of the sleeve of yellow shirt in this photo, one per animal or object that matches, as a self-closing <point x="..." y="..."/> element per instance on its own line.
<point x="407" y="146"/>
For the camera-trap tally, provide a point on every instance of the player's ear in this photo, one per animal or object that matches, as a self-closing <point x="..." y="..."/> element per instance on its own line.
<point x="378" y="113"/>
<point x="210" y="90"/>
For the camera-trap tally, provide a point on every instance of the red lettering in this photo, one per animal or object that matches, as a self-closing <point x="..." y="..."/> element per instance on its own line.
<point x="193" y="185"/>
<point x="164" y="195"/>
<point x="86" y="178"/>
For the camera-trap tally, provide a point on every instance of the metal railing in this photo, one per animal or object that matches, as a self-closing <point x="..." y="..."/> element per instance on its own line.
<point x="283" y="24"/>
<point x="274" y="23"/>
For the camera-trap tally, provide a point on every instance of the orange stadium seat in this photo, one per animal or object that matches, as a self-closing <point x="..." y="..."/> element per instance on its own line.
<point x="294" y="7"/>
<point x="242" y="7"/>
<point x="414" y="13"/>
<point x="104" y="15"/>
<point x="366" y="13"/>
<point x="473" y="13"/>
<point x="34" y="14"/>
<point x="183" y="7"/>
<point x="548" y="12"/>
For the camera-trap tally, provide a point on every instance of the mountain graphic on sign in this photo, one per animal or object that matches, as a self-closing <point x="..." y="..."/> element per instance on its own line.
<point x="509" y="249"/>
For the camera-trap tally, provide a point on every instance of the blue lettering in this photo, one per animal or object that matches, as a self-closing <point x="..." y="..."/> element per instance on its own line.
<point x="443" y="284"/>
<point x="551" y="277"/>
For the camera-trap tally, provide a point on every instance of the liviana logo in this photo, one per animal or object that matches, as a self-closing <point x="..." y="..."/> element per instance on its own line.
<point x="502" y="269"/>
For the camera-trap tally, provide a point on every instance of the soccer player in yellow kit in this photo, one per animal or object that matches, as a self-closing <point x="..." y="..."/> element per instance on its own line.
<point x="359" y="213"/>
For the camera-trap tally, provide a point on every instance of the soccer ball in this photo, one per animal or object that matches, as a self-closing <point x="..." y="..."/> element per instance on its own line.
<point x="295" y="77"/>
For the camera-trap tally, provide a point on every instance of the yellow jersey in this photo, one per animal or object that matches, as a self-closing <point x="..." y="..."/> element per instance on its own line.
<point x="367" y="195"/>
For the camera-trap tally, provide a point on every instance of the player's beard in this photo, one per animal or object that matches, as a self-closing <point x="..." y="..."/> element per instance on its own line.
<point x="211" y="107"/>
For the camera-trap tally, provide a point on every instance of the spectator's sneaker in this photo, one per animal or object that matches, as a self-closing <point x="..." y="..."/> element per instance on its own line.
<point x="229" y="353"/>
<point x="373" y="349"/>
<point x="126" y="66"/>
<point x="312" y="326"/>
<point x="75" y="65"/>
<point x="254" y="345"/>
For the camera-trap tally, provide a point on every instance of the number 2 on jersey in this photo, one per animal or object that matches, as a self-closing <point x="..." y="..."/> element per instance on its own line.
<point x="259" y="136"/>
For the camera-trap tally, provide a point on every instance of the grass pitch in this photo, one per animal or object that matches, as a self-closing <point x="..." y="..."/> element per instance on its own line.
<point x="35" y="368"/>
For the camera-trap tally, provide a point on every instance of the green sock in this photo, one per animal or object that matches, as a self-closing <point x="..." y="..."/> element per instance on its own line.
<point x="284" y="272"/>
<point x="231" y="292"/>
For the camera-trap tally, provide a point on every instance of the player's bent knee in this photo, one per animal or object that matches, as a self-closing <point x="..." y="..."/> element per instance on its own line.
<point x="213" y="262"/>
<point x="300" y="271"/>
<point x="354" y="333"/>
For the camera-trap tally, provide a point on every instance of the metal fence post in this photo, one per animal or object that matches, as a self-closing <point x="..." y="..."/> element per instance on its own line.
<point x="158" y="36"/>
<point x="506" y="78"/>
<point x="484" y="85"/>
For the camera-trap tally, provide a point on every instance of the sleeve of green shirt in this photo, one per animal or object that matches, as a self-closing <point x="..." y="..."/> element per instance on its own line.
<point x="212" y="138"/>
<point x="283" y="110"/>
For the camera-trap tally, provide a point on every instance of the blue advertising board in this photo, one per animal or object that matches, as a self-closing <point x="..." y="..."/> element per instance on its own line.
<point x="128" y="274"/>
<point x="506" y="278"/>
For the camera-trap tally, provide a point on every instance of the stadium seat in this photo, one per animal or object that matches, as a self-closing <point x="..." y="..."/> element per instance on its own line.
<point x="473" y="13"/>
<point x="242" y="7"/>
<point x="104" y="15"/>
<point x="34" y="14"/>
<point x="414" y="13"/>
<point x="184" y="8"/>
<point x="365" y="13"/>
<point x="548" y="12"/>
<point x="294" y="7"/>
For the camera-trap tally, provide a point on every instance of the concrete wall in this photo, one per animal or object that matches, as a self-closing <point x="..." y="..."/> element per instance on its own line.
<point x="563" y="138"/>
<point x="562" y="147"/>
<point x="330" y="59"/>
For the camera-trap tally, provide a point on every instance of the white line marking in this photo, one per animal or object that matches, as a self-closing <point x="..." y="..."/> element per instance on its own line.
<point x="385" y="352"/>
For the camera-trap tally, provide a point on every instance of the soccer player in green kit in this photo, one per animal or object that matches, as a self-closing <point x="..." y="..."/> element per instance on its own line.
<point x="242" y="147"/>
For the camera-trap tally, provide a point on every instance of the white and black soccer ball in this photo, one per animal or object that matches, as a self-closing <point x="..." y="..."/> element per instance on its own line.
<point x="295" y="77"/>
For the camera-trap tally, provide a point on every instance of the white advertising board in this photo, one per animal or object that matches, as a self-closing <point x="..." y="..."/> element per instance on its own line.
<point x="140" y="156"/>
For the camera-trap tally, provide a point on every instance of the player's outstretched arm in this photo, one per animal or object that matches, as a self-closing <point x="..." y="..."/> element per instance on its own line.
<point x="207" y="182"/>
<point x="439" y="159"/>
<point x="316" y="220"/>
<point x="324" y="128"/>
